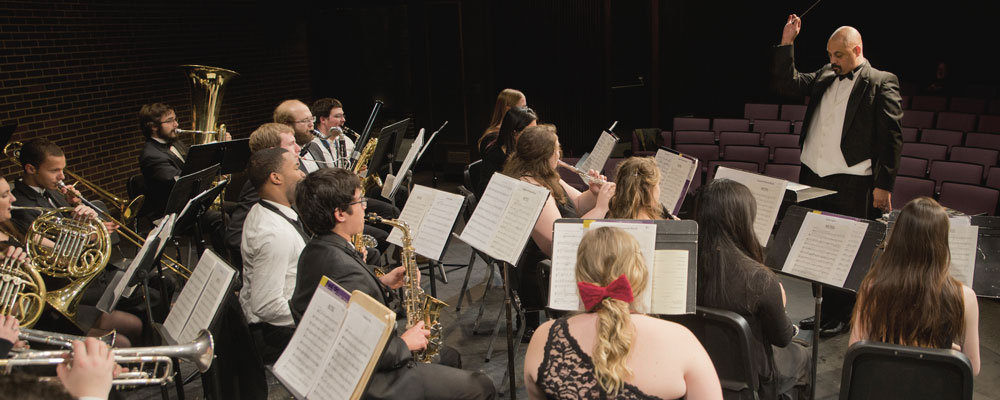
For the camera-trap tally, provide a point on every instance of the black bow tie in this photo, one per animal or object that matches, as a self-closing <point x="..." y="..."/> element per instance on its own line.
<point x="849" y="75"/>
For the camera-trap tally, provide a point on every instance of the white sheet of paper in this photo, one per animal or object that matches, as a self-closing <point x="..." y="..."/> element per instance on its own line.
<point x="644" y="232"/>
<point x="411" y="156"/>
<point x="308" y="350"/>
<point x="602" y="150"/>
<point x="180" y="312"/>
<point x="208" y="303"/>
<point x="563" y="294"/>
<point x="675" y="173"/>
<point x="767" y="191"/>
<point x="670" y="282"/>
<point x="825" y="248"/>
<point x="349" y="356"/>
<point x="481" y="227"/>
<point x="517" y="221"/>
<point x="431" y="214"/>
<point x="963" y="241"/>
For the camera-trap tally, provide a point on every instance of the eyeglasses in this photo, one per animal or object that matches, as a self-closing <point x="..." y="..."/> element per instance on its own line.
<point x="363" y="201"/>
<point x="310" y="120"/>
<point x="169" y="121"/>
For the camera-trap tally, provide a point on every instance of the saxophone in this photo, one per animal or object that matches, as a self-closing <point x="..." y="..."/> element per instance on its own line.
<point x="371" y="178"/>
<point x="419" y="305"/>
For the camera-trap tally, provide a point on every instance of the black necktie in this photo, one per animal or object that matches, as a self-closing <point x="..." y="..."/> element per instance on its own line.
<point x="48" y="198"/>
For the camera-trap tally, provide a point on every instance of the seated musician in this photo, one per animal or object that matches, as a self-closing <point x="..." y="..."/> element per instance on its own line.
<point x="507" y="99"/>
<point x="611" y="351"/>
<point x="909" y="298"/>
<point x="332" y="207"/>
<point x="330" y="114"/>
<point x="87" y="375"/>
<point x="534" y="161"/>
<point x="273" y="237"/>
<point x="497" y="150"/>
<point x="42" y="165"/>
<point x="732" y="276"/>
<point x="300" y="118"/>
<point x="637" y="190"/>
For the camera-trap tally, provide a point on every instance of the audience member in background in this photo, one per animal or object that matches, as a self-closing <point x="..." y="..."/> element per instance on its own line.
<point x="611" y="351"/>
<point x="909" y="298"/>
<point x="637" y="190"/>
<point x="534" y="161"/>
<point x="497" y="151"/>
<point x="732" y="277"/>
<point x="507" y="99"/>
<point x="941" y="84"/>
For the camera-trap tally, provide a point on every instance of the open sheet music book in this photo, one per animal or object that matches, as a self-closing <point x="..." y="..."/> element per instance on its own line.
<point x="825" y="248"/>
<point x="147" y="254"/>
<point x="504" y="217"/>
<point x="767" y="191"/>
<point x="431" y="215"/>
<point x="602" y="150"/>
<point x="336" y="344"/>
<point x="199" y="301"/>
<point x="666" y="288"/>
<point x="963" y="241"/>
<point x="676" y="173"/>
<point x="392" y="184"/>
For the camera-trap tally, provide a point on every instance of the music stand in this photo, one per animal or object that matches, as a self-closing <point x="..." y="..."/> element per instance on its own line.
<point x="778" y="249"/>
<point x="385" y="136"/>
<point x="231" y="154"/>
<point x="192" y="213"/>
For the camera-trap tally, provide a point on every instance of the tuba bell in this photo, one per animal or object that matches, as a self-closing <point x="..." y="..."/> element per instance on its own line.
<point x="207" y="87"/>
<point x="22" y="291"/>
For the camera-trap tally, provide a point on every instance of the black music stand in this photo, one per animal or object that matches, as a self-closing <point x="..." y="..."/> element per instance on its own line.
<point x="386" y="137"/>
<point x="778" y="249"/>
<point x="231" y="154"/>
<point x="191" y="215"/>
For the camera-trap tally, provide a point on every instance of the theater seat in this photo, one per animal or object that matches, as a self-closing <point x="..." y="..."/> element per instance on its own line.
<point x="874" y="370"/>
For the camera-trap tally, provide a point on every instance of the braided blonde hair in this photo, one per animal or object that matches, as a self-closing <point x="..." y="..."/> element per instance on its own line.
<point x="604" y="255"/>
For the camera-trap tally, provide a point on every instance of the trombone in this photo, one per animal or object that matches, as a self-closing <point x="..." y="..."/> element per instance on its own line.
<point x="200" y="351"/>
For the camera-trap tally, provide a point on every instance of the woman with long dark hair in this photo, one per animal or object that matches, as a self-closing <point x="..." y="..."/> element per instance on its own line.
<point x="909" y="298"/>
<point x="611" y="351"/>
<point x="732" y="276"/>
<point x="507" y="99"/>
<point x="496" y="151"/>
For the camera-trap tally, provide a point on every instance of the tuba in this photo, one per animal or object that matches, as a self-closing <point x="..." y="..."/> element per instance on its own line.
<point x="419" y="305"/>
<point x="22" y="291"/>
<point x="63" y="245"/>
<point x="207" y="88"/>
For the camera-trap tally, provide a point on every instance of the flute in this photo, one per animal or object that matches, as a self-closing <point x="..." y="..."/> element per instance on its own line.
<point x="583" y="174"/>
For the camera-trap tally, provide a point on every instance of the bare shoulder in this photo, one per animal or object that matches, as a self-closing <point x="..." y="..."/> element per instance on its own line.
<point x="667" y="329"/>
<point x="968" y="294"/>
<point x="530" y="180"/>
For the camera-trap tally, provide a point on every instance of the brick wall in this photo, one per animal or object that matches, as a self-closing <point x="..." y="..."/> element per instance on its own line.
<point x="76" y="72"/>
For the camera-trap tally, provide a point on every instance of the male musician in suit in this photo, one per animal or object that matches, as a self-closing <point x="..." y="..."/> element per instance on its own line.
<point x="331" y="206"/>
<point x="297" y="115"/>
<point x="273" y="237"/>
<point x="851" y="135"/>
<point x="330" y="114"/>
<point x="162" y="156"/>
<point x="42" y="164"/>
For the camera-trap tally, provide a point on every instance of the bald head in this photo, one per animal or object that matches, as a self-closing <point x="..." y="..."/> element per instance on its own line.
<point x="845" y="50"/>
<point x="296" y="114"/>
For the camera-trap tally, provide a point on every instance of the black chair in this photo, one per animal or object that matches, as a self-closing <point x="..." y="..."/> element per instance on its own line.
<point x="472" y="178"/>
<point x="727" y="338"/>
<point x="875" y="370"/>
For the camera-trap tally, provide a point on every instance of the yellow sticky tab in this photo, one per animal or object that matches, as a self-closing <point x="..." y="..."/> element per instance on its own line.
<point x="817" y="212"/>
<point x="586" y="223"/>
<point x="322" y="282"/>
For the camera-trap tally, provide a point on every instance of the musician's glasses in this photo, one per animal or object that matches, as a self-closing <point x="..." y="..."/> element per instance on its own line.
<point x="363" y="201"/>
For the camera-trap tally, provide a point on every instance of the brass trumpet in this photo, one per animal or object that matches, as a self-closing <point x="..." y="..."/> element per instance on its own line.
<point x="583" y="174"/>
<point x="200" y="351"/>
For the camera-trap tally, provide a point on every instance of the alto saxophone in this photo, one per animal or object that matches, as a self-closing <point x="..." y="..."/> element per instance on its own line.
<point x="419" y="305"/>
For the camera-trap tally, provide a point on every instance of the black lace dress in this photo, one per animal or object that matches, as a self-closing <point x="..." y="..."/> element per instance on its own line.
<point x="566" y="372"/>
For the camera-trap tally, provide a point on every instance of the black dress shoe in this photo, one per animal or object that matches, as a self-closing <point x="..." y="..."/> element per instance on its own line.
<point x="807" y="323"/>
<point x="834" y="329"/>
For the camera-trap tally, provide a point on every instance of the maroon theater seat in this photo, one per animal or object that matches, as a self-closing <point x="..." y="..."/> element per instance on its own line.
<point x="969" y="199"/>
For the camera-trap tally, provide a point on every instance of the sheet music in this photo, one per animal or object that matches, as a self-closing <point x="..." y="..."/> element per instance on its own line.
<point x="208" y="303"/>
<point x="767" y="191"/>
<point x="411" y="155"/>
<point x="670" y="282"/>
<point x="431" y="214"/>
<point x="504" y="217"/>
<point x="563" y="294"/>
<point x="162" y="230"/>
<point x="307" y="351"/>
<point x="963" y="241"/>
<point x="350" y="354"/>
<point x="180" y="312"/>
<point x="602" y="150"/>
<point x="825" y="248"/>
<point x="676" y="172"/>
<point x="644" y="232"/>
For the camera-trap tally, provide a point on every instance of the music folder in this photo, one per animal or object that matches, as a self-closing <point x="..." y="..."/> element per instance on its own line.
<point x="336" y="344"/>
<point x="826" y="248"/>
<point x="670" y="251"/>
<point x="676" y="173"/>
<point x="599" y="156"/>
<point x="502" y="222"/>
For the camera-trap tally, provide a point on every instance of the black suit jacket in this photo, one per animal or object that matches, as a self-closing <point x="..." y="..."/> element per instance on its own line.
<point x="332" y="256"/>
<point x="313" y="149"/>
<point x="159" y="168"/>
<point x="28" y="197"/>
<point x="872" y="122"/>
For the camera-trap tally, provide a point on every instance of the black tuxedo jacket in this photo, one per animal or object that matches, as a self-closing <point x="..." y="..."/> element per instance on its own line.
<point x="872" y="121"/>
<point x="332" y="256"/>
<point x="28" y="197"/>
<point x="313" y="149"/>
<point x="159" y="168"/>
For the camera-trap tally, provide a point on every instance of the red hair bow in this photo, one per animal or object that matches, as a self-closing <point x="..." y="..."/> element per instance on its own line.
<point x="592" y="295"/>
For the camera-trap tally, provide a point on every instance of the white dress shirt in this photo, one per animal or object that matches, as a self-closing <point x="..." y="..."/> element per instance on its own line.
<point x="821" y="151"/>
<point x="270" y="249"/>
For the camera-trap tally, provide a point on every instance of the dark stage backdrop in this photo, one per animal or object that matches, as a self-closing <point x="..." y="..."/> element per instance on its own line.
<point x="77" y="72"/>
